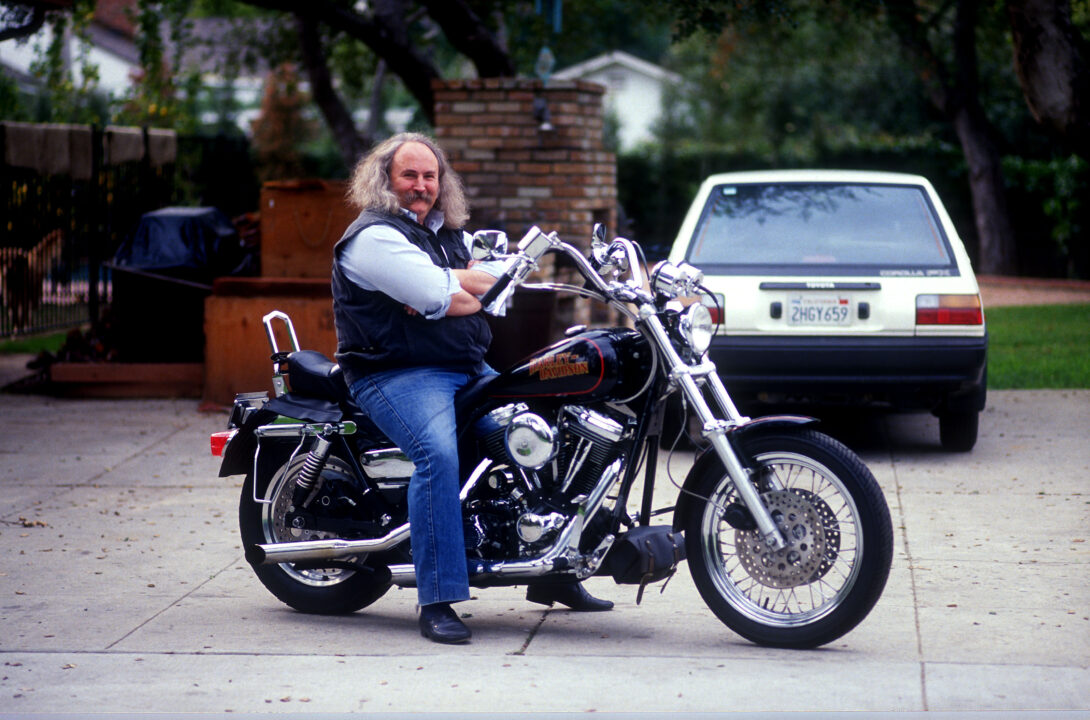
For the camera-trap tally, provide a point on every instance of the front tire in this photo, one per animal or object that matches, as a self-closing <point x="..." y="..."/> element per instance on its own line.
<point x="334" y="590"/>
<point x="840" y="541"/>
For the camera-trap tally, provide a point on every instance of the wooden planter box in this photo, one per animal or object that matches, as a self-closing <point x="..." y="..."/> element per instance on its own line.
<point x="236" y="350"/>
<point x="301" y="221"/>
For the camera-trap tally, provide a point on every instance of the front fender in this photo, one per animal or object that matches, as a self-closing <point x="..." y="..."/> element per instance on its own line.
<point x="738" y="436"/>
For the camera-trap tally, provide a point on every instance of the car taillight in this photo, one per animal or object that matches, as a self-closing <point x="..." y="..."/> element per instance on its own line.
<point x="715" y="307"/>
<point x="220" y="440"/>
<point x="949" y="310"/>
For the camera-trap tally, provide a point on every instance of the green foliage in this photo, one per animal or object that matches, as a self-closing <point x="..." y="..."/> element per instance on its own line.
<point x="1036" y="347"/>
<point x="281" y="129"/>
<point x="15" y="107"/>
<point x="1050" y="195"/>
<point x="711" y="17"/>
<point x="69" y="85"/>
<point x="827" y="80"/>
<point x="588" y="28"/>
<point x="156" y="98"/>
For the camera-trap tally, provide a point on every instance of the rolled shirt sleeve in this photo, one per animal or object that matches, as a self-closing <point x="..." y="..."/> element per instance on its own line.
<point x="381" y="258"/>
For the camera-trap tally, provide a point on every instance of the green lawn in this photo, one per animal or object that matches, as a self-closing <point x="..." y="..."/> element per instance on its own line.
<point x="34" y="344"/>
<point x="1039" y="346"/>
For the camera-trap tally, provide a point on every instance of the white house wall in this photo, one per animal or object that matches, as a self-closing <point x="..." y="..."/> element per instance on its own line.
<point x="635" y="99"/>
<point x="113" y="72"/>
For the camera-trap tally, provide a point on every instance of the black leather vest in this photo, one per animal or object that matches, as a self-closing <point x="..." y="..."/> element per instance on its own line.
<point x="374" y="333"/>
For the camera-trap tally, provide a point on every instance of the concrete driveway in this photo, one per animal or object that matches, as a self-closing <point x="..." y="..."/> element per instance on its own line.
<point x="123" y="588"/>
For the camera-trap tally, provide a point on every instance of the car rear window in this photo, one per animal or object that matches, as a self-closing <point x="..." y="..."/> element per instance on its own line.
<point x="820" y="229"/>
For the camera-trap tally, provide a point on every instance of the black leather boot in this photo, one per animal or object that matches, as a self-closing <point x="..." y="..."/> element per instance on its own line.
<point x="572" y="594"/>
<point x="441" y="624"/>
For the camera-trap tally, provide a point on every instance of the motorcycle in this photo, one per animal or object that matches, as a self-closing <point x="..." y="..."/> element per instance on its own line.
<point x="786" y="532"/>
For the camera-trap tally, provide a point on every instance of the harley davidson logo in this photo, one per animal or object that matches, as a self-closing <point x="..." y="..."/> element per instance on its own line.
<point x="558" y="366"/>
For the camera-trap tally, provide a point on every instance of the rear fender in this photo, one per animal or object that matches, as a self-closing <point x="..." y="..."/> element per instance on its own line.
<point x="738" y="437"/>
<point x="238" y="455"/>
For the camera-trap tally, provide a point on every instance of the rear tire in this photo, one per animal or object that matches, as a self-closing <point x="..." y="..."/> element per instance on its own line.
<point x="838" y="527"/>
<point x="958" y="430"/>
<point x="323" y="591"/>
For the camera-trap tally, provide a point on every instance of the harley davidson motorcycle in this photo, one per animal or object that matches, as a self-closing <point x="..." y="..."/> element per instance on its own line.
<point x="785" y="530"/>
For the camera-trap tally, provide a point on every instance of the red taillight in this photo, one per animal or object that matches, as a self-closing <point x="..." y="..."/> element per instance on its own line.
<point x="715" y="308"/>
<point x="220" y="440"/>
<point x="949" y="310"/>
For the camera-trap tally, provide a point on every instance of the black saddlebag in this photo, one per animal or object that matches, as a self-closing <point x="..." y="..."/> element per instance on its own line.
<point x="645" y="555"/>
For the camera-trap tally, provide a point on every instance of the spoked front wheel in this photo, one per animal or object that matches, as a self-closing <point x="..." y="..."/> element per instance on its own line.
<point x="839" y="541"/>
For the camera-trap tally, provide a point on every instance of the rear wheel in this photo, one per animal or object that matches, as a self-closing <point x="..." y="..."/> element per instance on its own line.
<point x="840" y="541"/>
<point x="343" y="587"/>
<point x="958" y="430"/>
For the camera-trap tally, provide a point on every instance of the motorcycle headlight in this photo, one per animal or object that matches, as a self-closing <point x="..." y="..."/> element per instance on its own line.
<point x="697" y="328"/>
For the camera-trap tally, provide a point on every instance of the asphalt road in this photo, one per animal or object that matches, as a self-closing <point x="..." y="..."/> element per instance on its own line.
<point x="123" y="589"/>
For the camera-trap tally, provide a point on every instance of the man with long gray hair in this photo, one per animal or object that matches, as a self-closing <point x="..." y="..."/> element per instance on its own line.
<point x="410" y="334"/>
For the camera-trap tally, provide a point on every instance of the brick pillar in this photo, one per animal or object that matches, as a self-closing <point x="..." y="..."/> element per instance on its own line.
<point x="517" y="174"/>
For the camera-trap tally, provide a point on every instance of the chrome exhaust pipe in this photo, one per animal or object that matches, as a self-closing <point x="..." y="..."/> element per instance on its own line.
<point x="337" y="548"/>
<point x="276" y="553"/>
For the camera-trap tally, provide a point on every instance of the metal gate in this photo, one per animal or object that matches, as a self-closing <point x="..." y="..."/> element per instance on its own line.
<point x="68" y="196"/>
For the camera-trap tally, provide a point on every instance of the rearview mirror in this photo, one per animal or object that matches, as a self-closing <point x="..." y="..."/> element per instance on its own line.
<point x="488" y="243"/>
<point x="598" y="244"/>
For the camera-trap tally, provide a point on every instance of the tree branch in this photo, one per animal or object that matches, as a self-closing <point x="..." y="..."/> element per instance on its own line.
<point x="1050" y="57"/>
<point x="31" y="26"/>
<point x="471" y="37"/>
<point x="903" y="18"/>
<point x="388" y="42"/>
<point x="337" y="116"/>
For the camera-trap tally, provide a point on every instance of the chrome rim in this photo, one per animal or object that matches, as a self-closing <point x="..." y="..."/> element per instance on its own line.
<point x="276" y="528"/>
<point x="813" y="575"/>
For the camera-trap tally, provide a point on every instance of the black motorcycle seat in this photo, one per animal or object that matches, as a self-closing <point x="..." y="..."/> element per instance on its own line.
<point x="312" y="373"/>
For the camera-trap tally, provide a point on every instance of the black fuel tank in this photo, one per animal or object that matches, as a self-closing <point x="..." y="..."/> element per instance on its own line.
<point x="592" y="365"/>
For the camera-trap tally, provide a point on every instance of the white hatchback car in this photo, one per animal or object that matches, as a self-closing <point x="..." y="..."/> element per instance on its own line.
<point x="841" y="287"/>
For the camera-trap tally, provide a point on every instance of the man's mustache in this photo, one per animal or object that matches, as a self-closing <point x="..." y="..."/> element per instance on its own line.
<point x="412" y="197"/>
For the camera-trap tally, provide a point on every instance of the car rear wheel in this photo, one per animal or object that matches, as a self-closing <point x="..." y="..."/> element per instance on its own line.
<point x="958" y="429"/>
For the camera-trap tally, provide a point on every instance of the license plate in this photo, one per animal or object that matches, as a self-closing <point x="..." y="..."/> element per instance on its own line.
<point x="819" y="309"/>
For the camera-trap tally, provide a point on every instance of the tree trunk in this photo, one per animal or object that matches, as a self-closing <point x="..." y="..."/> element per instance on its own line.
<point x="337" y="116"/>
<point x="993" y="224"/>
<point x="1051" y="58"/>
<point x="374" y="119"/>
<point x="29" y="25"/>
<point x="384" y="33"/>
<point x="978" y="138"/>
<point x="954" y="90"/>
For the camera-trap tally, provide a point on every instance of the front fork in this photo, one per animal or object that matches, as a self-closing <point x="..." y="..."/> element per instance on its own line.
<point x="715" y="428"/>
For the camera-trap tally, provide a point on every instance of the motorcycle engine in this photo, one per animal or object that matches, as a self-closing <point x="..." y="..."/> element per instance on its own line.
<point x="543" y="467"/>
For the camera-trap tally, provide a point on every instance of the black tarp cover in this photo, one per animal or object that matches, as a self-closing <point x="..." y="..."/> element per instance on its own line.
<point x="196" y="244"/>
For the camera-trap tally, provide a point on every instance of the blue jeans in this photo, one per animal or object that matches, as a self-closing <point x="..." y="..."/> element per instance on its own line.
<point x="415" y="408"/>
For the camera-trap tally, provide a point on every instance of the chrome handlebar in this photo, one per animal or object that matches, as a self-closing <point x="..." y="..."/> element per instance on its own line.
<point x="618" y="258"/>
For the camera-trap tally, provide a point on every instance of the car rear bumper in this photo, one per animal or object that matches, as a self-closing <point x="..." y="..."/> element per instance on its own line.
<point x="934" y="373"/>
